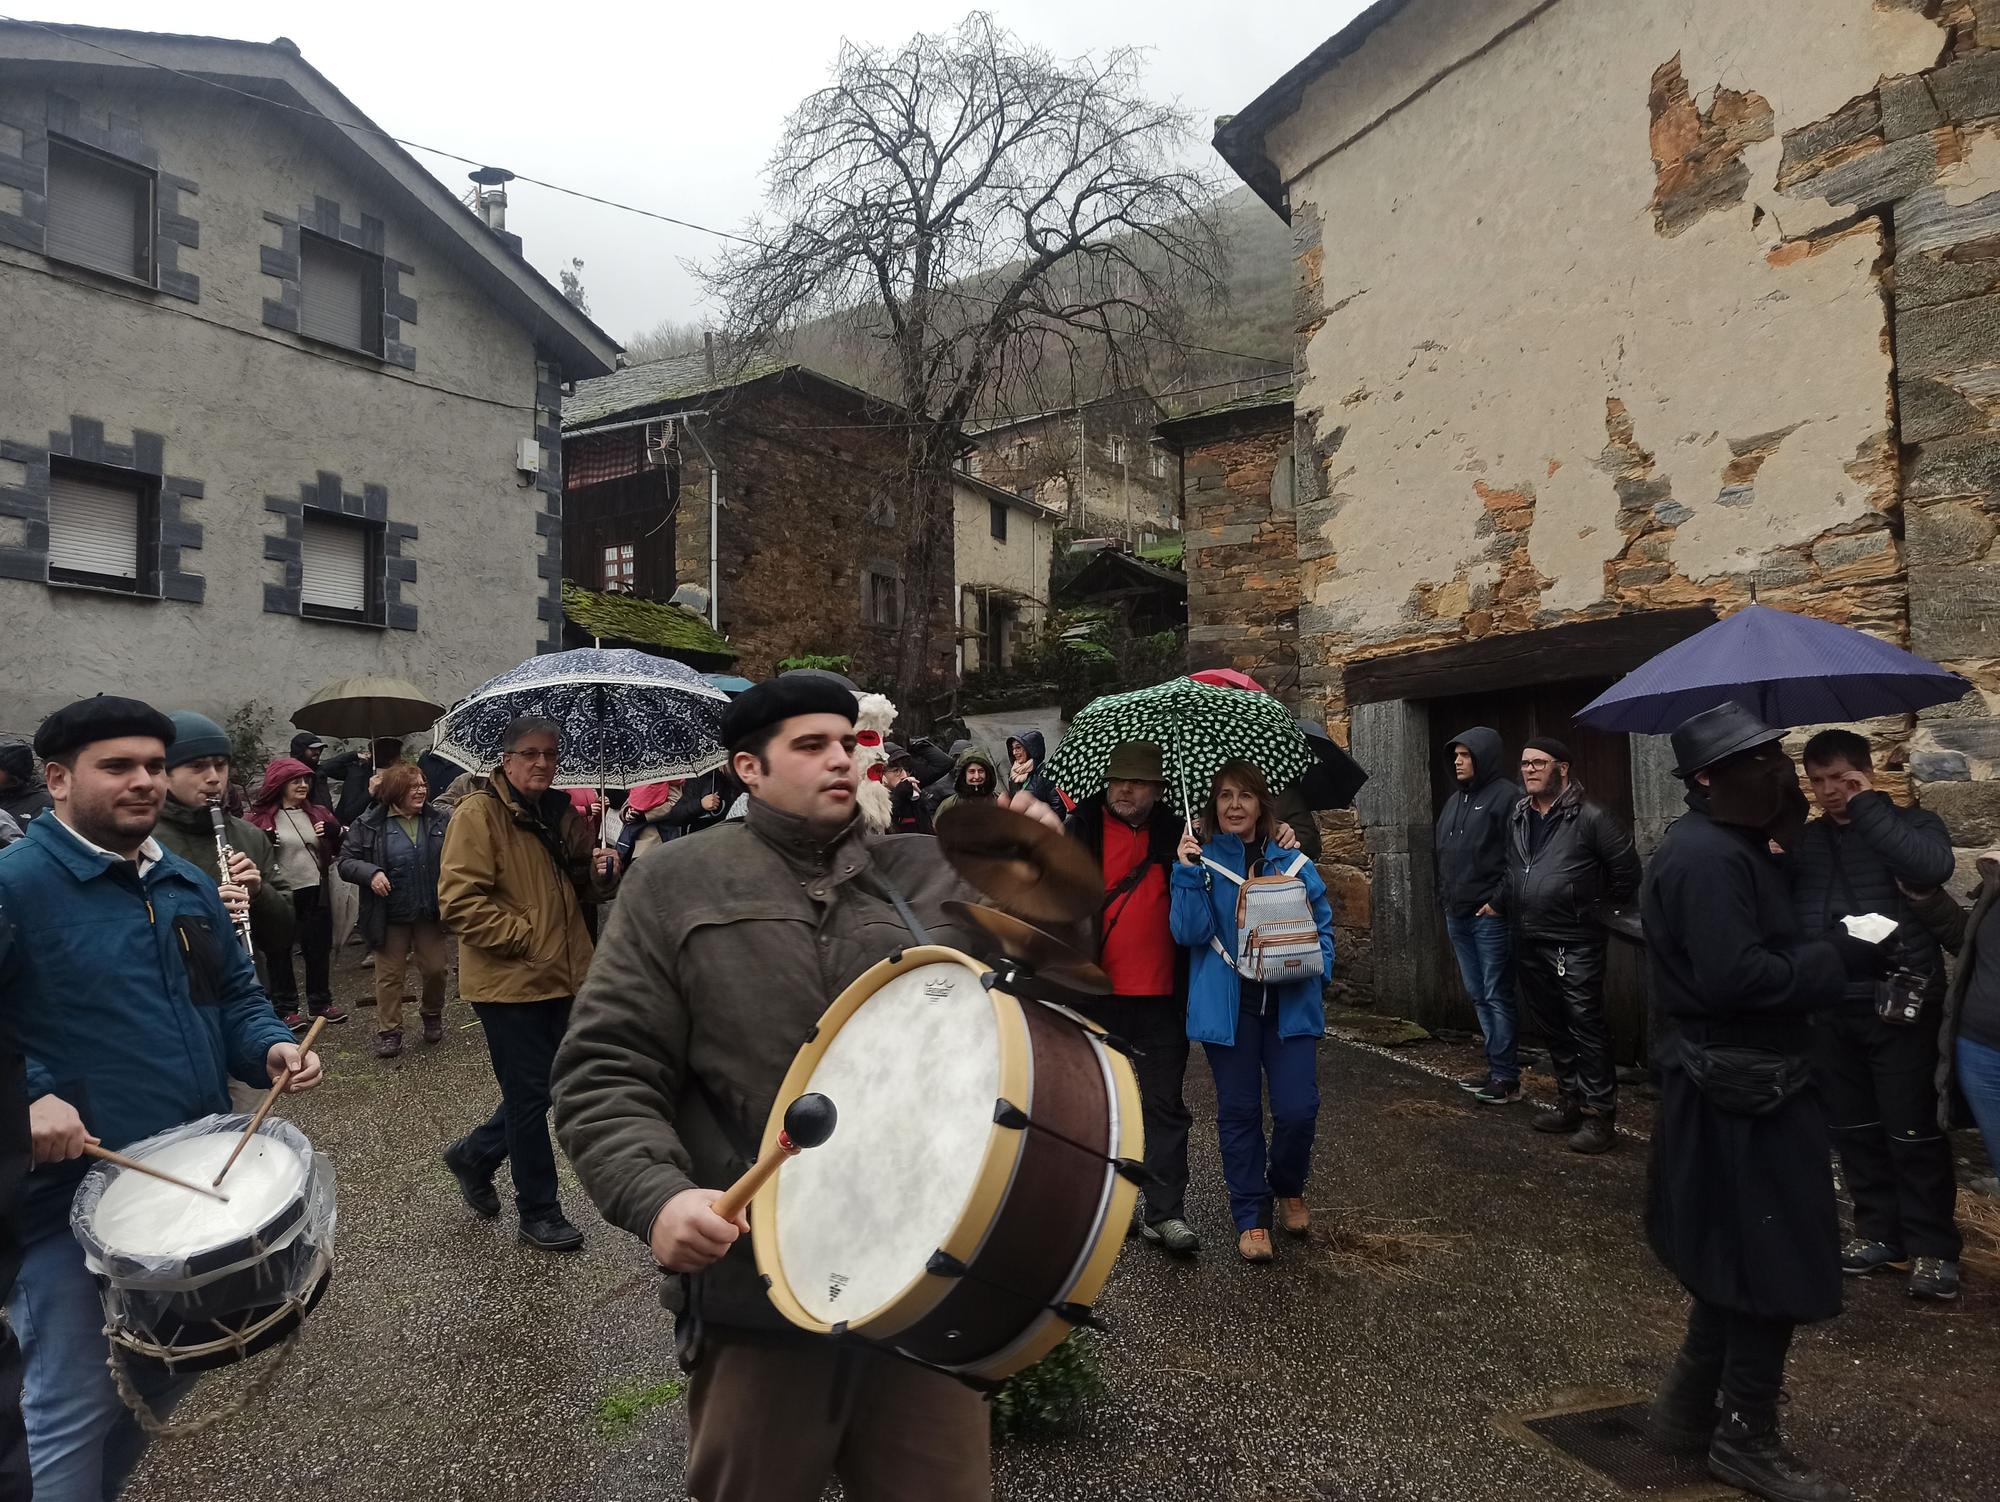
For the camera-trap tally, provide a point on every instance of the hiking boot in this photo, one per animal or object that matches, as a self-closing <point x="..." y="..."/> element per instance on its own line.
<point x="1748" y="1455"/>
<point x="1933" y="1278"/>
<point x="1254" y="1245"/>
<point x="1564" y="1119"/>
<point x="333" y="1014"/>
<point x="1472" y="1084"/>
<point x="475" y="1184"/>
<point x="1498" y="1093"/>
<point x="389" y="1043"/>
<point x="1174" y="1236"/>
<point x="1681" y="1419"/>
<point x="552" y="1232"/>
<point x="1859" y="1258"/>
<point x="1294" y="1219"/>
<point x="433" y="1027"/>
<point x="1596" y="1135"/>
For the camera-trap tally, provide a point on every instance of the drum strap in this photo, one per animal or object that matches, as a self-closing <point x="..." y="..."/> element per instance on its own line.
<point x="917" y="930"/>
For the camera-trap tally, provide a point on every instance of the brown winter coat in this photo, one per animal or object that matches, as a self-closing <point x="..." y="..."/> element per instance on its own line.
<point x="518" y="914"/>
<point x="721" y="954"/>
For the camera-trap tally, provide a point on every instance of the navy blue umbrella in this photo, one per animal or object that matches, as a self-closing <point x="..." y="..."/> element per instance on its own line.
<point x="1786" y="669"/>
<point x="626" y="717"/>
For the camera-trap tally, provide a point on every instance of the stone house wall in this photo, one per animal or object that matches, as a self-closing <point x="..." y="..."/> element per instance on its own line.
<point x="1729" y="332"/>
<point x="812" y="506"/>
<point x="248" y="428"/>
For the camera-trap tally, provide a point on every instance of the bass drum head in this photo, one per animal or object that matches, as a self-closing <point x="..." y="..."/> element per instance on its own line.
<point x="914" y="1073"/>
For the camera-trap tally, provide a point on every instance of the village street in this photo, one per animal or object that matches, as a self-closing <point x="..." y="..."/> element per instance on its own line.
<point x="450" y="1362"/>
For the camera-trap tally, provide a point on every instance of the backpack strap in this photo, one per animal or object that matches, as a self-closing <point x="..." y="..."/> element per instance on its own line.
<point x="1222" y="870"/>
<point x="1298" y="865"/>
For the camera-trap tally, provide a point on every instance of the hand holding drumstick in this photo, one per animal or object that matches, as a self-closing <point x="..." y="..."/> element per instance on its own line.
<point x="696" y="1228"/>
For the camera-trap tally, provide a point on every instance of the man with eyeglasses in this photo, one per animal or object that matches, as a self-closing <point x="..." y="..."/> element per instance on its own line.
<point x="1565" y="855"/>
<point x="518" y="868"/>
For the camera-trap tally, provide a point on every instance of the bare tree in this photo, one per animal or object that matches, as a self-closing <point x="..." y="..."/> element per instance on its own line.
<point x="572" y="286"/>
<point x="992" y="214"/>
<point x="667" y="337"/>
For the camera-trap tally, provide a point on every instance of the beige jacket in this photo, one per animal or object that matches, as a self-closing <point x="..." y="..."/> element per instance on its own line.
<point x="518" y="914"/>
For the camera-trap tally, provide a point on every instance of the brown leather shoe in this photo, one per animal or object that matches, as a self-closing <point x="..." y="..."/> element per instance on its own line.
<point x="433" y="1027"/>
<point x="1294" y="1219"/>
<point x="1254" y="1245"/>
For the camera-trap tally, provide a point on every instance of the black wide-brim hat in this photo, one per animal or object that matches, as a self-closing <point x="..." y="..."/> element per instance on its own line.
<point x="1714" y="735"/>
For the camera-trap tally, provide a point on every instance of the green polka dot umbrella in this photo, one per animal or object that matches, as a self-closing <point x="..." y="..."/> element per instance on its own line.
<point x="1198" y="729"/>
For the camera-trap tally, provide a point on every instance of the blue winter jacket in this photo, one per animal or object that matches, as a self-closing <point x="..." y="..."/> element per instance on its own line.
<point x="134" y="1000"/>
<point x="1204" y="908"/>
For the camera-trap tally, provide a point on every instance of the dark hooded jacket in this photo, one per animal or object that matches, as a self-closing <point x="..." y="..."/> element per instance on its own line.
<point x="1037" y="781"/>
<point x="1841" y="871"/>
<point x="24" y="796"/>
<point x="1586" y="857"/>
<point x="1471" y="838"/>
<point x="941" y="787"/>
<point x="959" y="789"/>
<point x="687" y="816"/>
<point x="303" y="742"/>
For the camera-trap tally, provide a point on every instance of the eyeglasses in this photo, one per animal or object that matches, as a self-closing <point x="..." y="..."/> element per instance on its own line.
<point x="1535" y="766"/>
<point x="548" y="756"/>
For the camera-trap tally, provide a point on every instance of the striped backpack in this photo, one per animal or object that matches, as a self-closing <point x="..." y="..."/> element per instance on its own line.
<point x="1277" y="937"/>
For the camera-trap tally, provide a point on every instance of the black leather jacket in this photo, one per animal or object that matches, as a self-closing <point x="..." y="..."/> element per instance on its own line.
<point x="1841" y="870"/>
<point x="1588" y="858"/>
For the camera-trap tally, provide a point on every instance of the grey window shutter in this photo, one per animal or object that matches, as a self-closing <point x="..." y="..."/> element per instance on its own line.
<point x="334" y="572"/>
<point x="98" y="214"/>
<point x="333" y="291"/>
<point x="93" y="527"/>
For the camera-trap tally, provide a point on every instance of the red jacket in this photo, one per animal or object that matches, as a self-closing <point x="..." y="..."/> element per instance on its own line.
<point x="264" y="807"/>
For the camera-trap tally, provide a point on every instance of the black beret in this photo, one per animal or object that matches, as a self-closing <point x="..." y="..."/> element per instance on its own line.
<point x="782" y="697"/>
<point x="104" y="718"/>
<point x="1549" y="746"/>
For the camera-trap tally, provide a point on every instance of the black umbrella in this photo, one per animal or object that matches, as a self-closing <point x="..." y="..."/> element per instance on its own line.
<point x="1335" y="777"/>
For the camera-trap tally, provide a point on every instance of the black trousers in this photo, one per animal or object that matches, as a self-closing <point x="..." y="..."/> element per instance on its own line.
<point x="1742" y="1355"/>
<point x="1156" y="1029"/>
<point x="1562" y="991"/>
<point x="312" y="935"/>
<point x="1878" y="1084"/>
<point x="522" y="1037"/>
<point x="14" y="1482"/>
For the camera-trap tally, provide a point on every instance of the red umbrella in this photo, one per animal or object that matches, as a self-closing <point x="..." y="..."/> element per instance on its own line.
<point x="1227" y="678"/>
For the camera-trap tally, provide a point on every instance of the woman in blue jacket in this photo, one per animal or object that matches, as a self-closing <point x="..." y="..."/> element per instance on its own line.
<point x="1253" y="1033"/>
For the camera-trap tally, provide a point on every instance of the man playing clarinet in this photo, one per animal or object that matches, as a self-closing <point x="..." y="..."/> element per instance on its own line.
<point x="198" y="768"/>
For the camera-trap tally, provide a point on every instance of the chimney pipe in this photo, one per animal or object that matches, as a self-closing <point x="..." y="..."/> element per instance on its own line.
<point x="490" y="196"/>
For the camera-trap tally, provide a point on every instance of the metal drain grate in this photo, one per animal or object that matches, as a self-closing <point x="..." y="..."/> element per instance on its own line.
<point x="1608" y="1439"/>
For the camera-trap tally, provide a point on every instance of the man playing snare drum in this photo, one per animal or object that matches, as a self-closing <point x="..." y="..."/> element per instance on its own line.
<point x="135" y="1004"/>
<point x="721" y="954"/>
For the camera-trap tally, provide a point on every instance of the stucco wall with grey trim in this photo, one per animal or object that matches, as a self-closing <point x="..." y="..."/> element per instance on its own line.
<point x="253" y="412"/>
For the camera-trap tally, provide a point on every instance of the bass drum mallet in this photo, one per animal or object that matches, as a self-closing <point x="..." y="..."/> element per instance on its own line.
<point x="808" y="1122"/>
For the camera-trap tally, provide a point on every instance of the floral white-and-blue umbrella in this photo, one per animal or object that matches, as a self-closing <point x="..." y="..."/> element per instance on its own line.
<point x="626" y="717"/>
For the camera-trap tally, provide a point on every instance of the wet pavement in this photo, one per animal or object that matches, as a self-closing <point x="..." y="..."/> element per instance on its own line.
<point x="1462" y="1268"/>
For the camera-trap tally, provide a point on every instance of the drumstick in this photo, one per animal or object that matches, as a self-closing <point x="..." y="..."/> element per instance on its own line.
<point x="149" y="1171"/>
<point x="808" y="1122"/>
<point x="270" y="1098"/>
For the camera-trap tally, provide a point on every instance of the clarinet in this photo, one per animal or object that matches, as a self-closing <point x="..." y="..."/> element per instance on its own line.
<point x="223" y="856"/>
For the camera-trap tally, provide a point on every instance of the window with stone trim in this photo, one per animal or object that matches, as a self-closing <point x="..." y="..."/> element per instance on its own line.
<point x="99" y="212"/>
<point x="99" y="522"/>
<point x="340" y="294"/>
<point x="340" y="573"/>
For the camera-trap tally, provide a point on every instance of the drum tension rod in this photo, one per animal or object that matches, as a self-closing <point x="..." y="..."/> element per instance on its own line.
<point x="1007" y="1114"/>
<point x="943" y="1265"/>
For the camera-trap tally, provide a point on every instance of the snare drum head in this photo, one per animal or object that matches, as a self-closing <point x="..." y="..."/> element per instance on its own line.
<point x="914" y="1073"/>
<point x="146" y="1220"/>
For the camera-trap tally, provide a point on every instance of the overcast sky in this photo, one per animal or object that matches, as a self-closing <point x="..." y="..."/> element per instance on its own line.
<point x="675" y="107"/>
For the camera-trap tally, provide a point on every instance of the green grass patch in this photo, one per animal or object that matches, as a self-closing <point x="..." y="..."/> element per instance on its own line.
<point x="620" y="1411"/>
<point x="1054" y="1396"/>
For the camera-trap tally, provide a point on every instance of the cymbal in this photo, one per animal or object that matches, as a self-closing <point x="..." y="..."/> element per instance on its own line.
<point x="1025" y="866"/>
<point x="1044" y="955"/>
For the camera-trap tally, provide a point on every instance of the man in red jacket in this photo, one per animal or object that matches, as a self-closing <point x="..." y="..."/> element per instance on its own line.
<point x="1133" y="834"/>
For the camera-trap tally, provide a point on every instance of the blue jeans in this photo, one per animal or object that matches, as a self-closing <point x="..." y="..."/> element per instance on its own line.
<point x="1485" y="950"/>
<point x="1979" y="1078"/>
<point x="82" y="1440"/>
<point x="1241" y="1069"/>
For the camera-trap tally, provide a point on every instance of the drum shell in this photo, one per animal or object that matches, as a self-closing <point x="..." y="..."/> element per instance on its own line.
<point x="1045" y="1221"/>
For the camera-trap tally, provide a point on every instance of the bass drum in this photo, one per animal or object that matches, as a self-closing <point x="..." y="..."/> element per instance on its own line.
<point x="969" y="1205"/>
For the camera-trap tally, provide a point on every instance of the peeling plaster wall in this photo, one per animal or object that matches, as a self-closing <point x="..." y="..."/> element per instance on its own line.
<point x="1503" y="278"/>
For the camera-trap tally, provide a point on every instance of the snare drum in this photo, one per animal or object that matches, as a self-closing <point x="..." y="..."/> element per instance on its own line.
<point x="970" y="1203"/>
<point x="190" y="1284"/>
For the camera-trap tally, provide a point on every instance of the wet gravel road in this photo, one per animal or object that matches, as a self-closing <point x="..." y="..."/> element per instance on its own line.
<point x="449" y="1362"/>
